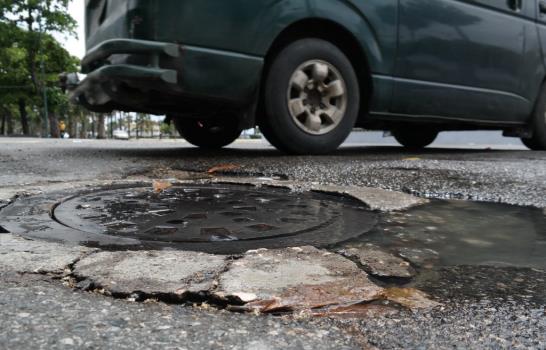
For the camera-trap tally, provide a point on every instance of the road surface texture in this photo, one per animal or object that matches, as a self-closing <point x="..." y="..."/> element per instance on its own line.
<point x="479" y="306"/>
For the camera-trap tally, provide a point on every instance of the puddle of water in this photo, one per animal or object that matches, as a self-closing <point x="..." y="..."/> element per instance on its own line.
<point x="451" y="233"/>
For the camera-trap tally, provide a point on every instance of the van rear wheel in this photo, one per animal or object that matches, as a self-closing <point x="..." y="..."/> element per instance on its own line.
<point x="531" y="144"/>
<point x="415" y="138"/>
<point x="311" y="98"/>
<point x="208" y="134"/>
<point x="538" y="124"/>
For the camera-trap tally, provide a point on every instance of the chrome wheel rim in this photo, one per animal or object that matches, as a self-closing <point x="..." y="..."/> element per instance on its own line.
<point x="317" y="97"/>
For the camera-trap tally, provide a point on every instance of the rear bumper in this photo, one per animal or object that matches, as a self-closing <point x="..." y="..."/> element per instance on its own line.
<point x="108" y="48"/>
<point x="116" y="67"/>
<point x="160" y="78"/>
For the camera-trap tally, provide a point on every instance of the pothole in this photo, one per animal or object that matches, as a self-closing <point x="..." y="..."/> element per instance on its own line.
<point x="223" y="219"/>
<point x="144" y="232"/>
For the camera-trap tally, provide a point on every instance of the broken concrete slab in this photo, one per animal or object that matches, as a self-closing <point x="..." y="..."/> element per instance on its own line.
<point x="375" y="198"/>
<point x="290" y="279"/>
<point x="22" y="255"/>
<point x="151" y="272"/>
<point x="379" y="263"/>
<point x="295" y="279"/>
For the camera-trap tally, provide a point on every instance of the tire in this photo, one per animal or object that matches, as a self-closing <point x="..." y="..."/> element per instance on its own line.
<point x="311" y="98"/>
<point x="415" y="138"/>
<point x="531" y="144"/>
<point x="538" y="124"/>
<point x="208" y="134"/>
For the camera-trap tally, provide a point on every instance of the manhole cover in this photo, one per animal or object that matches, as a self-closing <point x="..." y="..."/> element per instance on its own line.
<point x="220" y="219"/>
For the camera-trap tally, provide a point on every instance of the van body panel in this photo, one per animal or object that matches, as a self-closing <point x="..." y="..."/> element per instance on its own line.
<point x="477" y="52"/>
<point x="478" y="62"/>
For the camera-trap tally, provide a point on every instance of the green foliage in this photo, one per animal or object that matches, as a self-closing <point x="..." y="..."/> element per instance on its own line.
<point x="38" y="15"/>
<point x="13" y="70"/>
<point x="166" y="129"/>
<point x="25" y="44"/>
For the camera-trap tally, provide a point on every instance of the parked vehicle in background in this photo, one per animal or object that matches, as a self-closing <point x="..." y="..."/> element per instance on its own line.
<point x="308" y="71"/>
<point x="120" y="135"/>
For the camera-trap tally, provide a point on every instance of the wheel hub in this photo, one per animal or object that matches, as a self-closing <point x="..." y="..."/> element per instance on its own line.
<point x="317" y="97"/>
<point x="313" y="98"/>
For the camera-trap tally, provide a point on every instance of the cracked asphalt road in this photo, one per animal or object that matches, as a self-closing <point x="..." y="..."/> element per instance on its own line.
<point x="37" y="311"/>
<point x="58" y="318"/>
<point x="506" y="176"/>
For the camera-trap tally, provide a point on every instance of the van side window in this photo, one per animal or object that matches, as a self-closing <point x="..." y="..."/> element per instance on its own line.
<point x="504" y="5"/>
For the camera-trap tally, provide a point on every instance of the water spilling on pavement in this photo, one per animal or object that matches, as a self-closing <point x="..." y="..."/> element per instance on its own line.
<point x="451" y="233"/>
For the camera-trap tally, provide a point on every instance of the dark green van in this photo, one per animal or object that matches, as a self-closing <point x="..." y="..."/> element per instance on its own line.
<point x="308" y="71"/>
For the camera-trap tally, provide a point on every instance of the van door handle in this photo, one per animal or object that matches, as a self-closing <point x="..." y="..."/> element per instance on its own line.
<point x="542" y="7"/>
<point x="515" y="5"/>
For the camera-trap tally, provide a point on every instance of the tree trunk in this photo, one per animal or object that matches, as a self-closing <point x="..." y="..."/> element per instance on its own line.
<point x="54" y="126"/>
<point x="3" y="127"/>
<point x="83" y="130"/>
<point x="24" y="116"/>
<point x="93" y="125"/>
<point x="71" y="127"/>
<point x="129" y="126"/>
<point x="101" y="130"/>
<point x="9" y="121"/>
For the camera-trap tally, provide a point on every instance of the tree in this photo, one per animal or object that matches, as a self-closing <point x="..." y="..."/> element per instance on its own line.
<point x="25" y="28"/>
<point x="7" y="121"/>
<point x="56" y="60"/>
<point x="101" y="130"/>
<point x="142" y="122"/>
<point x="14" y="83"/>
<point x="38" y="17"/>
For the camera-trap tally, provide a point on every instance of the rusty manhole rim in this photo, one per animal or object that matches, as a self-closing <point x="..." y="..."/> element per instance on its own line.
<point x="37" y="217"/>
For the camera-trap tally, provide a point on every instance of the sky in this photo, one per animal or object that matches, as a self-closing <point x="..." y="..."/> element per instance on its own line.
<point x="76" y="46"/>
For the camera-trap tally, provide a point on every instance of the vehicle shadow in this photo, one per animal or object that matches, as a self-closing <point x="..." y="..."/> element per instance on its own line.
<point x="350" y="152"/>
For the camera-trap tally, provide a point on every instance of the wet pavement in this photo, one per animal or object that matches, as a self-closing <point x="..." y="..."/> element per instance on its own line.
<point x="442" y="274"/>
<point x="488" y="234"/>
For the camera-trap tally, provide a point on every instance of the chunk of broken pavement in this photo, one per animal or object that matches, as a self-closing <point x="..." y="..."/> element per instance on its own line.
<point x="375" y="198"/>
<point x="161" y="272"/>
<point x="295" y="279"/>
<point x="22" y="255"/>
<point x="379" y="263"/>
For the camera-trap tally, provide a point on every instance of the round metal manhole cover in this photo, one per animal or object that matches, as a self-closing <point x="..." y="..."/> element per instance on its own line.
<point x="217" y="219"/>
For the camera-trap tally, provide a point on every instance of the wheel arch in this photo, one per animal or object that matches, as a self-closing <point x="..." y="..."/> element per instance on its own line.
<point x="540" y="90"/>
<point x="334" y="33"/>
